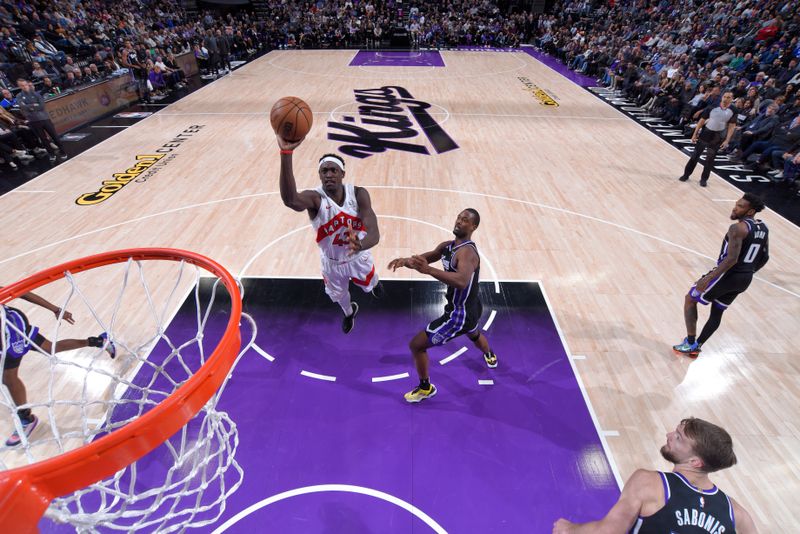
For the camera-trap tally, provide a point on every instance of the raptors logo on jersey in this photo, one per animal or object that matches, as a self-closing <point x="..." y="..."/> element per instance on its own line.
<point x="332" y="221"/>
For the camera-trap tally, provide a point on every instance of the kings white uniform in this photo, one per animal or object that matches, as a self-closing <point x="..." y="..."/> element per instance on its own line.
<point x="338" y="268"/>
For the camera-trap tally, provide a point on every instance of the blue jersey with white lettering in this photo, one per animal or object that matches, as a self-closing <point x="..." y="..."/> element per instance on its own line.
<point x="688" y="510"/>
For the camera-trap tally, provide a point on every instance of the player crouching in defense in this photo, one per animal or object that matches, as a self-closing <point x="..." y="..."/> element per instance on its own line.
<point x="345" y="224"/>
<point x="462" y="312"/>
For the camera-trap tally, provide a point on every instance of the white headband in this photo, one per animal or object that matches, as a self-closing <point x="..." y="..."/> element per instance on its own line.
<point x="331" y="159"/>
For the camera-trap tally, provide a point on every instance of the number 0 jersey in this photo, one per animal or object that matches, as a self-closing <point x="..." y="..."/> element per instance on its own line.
<point x="754" y="247"/>
<point x="332" y="221"/>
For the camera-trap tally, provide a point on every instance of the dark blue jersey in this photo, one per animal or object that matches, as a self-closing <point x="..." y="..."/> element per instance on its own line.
<point x="688" y="510"/>
<point x="460" y="298"/>
<point x="754" y="252"/>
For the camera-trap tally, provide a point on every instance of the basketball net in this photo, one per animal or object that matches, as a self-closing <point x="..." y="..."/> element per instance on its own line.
<point x="89" y="397"/>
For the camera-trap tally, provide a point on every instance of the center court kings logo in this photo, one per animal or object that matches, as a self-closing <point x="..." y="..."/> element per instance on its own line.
<point x="387" y="118"/>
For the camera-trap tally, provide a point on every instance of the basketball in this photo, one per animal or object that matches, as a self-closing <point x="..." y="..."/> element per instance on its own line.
<point x="291" y="118"/>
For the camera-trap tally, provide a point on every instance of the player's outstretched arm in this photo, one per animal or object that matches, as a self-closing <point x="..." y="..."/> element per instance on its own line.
<point x="466" y="260"/>
<point x="430" y="257"/>
<point x="640" y="486"/>
<point x="33" y="298"/>
<point x="297" y="200"/>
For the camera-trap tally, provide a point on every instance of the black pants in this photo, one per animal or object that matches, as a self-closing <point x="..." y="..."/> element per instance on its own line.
<point x="708" y="142"/>
<point x="11" y="139"/>
<point x="40" y="127"/>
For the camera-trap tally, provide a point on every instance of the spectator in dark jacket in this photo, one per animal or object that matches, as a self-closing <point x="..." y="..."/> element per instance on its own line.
<point x="31" y="104"/>
<point x="760" y="128"/>
<point x="783" y="140"/>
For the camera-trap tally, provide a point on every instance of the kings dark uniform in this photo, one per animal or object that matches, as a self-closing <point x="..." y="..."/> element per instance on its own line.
<point x="688" y="510"/>
<point x="17" y="339"/>
<point x="463" y="309"/>
<point x="753" y="255"/>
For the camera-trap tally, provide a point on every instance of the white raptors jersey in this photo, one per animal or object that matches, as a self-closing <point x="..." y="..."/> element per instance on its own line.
<point x="332" y="221"/>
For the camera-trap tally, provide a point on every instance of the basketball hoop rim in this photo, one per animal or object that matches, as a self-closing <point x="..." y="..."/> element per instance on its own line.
<point x="25" y="492"/>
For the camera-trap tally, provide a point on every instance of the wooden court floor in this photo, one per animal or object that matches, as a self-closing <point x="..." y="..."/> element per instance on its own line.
<point x="575" y="195"/>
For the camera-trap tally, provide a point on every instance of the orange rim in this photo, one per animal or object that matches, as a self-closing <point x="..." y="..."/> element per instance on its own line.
<point x="26" y="492"/>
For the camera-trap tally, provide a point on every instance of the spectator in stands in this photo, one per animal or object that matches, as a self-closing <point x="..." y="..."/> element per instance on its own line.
<point x="174" y="77"/>
<point x="157" y="82"/>
<point x="16" y="137"/>
<point x="212" y="47"/>
<point x="49" y="88"/>
<point x="38" y="73"/>
<point x="224" y="43"/>
<point x="791" y="169"/>
<point x="31" y="104"/>
<point x="783" y="140"/>
<point x="69" y="65"/>
<point x="201" y="55"/>
<point x="69" y="81"/>
<point x="48" y="49"/>
<point x="759" y="129"/>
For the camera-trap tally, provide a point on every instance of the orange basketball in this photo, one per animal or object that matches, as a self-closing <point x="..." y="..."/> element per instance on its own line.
<point x="291" y="118"/>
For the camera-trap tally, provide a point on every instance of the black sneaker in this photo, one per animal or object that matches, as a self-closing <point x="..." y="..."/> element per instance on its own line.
<point x="378" y="291"/>
<point x="350" y="320"/>
<point x="683" y="178"/>
<point x="703" y="183"/>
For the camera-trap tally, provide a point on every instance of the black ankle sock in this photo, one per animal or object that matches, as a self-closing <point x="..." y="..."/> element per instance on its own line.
<point x="95" y="341"/>
<point x="25" y="415"/>
<point x="691" y="339"/>
<point x="425" y="384"/>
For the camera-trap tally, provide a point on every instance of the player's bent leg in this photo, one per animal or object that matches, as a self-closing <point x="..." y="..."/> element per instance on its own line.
<point x="363" y="273"/>
<point x="16" y="389"/>
<point x="714" y="320"/>
<point x="690" y="314"/>
<point x="419" y="349"/>
<point x="482" y="344"/>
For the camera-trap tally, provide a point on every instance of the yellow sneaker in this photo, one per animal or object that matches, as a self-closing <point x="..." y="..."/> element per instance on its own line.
<point x="491" y="359"/>
<point x="417" y="394"/>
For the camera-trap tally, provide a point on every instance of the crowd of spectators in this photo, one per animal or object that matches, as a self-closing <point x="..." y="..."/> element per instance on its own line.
<point x="674" y="57"/>
<point x="51" y="47"/>
<point x="677" y="58"/>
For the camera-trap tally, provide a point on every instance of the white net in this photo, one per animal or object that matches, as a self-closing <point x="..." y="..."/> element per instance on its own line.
<point x="164" y="319"/>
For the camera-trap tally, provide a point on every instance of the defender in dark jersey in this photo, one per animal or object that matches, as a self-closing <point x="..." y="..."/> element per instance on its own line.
<point x="744" y="251"/>
<point x="684" y="501"/>
<point x="463" y="309"/>
<point x="18" y="338"/>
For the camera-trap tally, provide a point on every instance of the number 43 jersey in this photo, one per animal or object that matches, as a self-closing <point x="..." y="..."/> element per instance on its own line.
<point x="753" y="249"/>
<point x="331" y="224"/>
